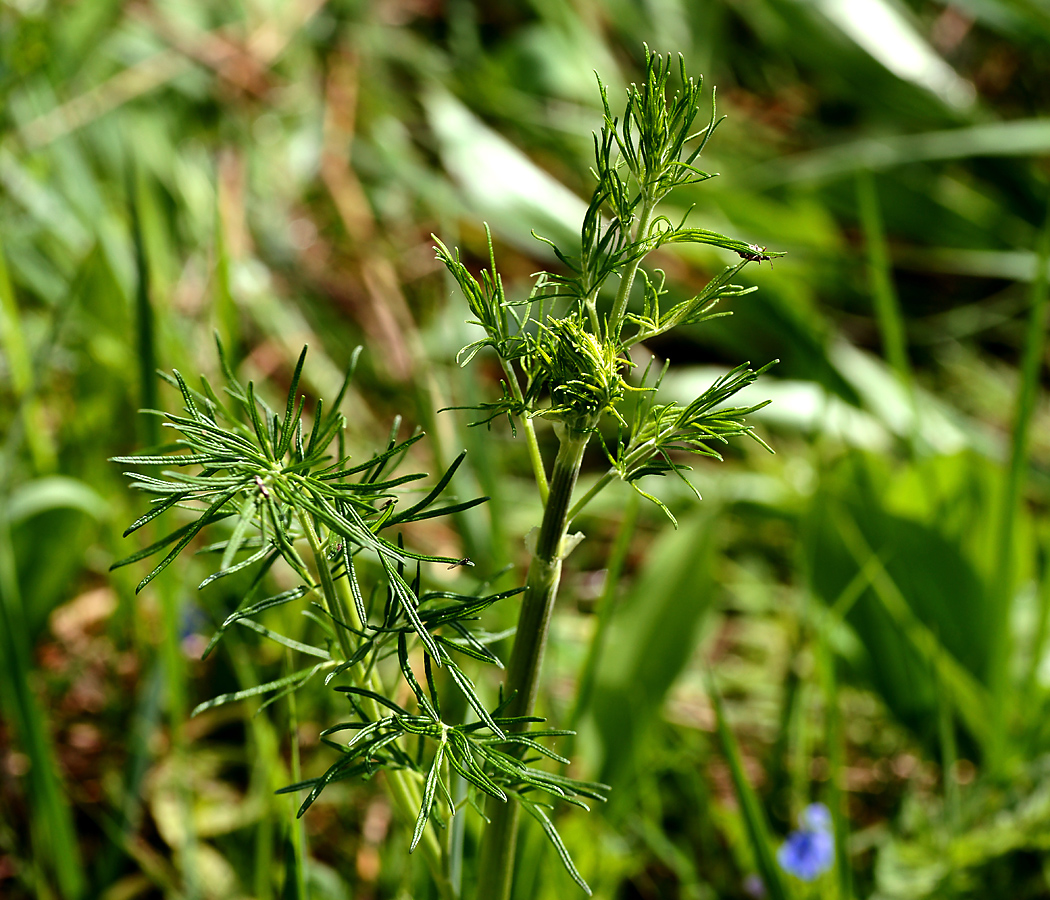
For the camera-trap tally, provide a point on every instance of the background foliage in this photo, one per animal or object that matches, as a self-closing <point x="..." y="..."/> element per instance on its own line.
<point x="871" y="602"/>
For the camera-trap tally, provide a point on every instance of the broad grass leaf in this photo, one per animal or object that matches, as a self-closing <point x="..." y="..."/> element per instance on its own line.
<point x="651" y="638"/>
<point x="920" y="524"/>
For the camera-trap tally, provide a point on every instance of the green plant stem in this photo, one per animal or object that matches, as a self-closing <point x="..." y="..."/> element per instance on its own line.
<point x="14" y="348"/>
<point x="496" y="868"/>
<point x="634" y="457"/>
<point x="535" y="458"/>
<point x="457" y="831"/>
<point x="337" y="609"/>
<point x="51" y="832"/>
<point x="144" y="316"/>
<point x="880" y="275"/>
<point x="949" y="756"/>
<point x="173" y="660"/>
<point x="541" y="584"/>
<point x="403" y="790"/>
<point x="603" y="482"/>
<point x="753" y="814"/>
<point x="1038" y="646"/>
<point x="591" y="306"/>
<point x="1013" y="491"/>
<point x="836" y="744"/>
<point x="615" y="324"/>
<point x="298" y="831"/>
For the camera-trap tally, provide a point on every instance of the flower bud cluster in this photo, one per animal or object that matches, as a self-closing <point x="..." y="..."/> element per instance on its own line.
<point x="583" y="372"/>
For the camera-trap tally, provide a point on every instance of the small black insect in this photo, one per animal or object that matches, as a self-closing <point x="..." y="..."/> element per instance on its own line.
<point x="466" y="561"/>
<point x="755" y="254"/>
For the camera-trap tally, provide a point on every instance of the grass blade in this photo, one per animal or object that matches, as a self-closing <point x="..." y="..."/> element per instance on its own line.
<point x="750" y="808"/>
<point x="1015" y="479"/>
<point x="880" y="274"/>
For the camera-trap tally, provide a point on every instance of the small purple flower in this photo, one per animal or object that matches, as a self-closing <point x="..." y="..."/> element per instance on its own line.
<point x="809" y="851"/>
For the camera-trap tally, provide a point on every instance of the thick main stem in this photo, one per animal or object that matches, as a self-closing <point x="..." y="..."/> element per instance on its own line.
<point x="496" y="869"/>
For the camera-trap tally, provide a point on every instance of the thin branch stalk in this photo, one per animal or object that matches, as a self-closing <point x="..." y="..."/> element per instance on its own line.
<point x="403" y="790"/>
<point x="615" y="323"/>
<point x="535" y="458"/>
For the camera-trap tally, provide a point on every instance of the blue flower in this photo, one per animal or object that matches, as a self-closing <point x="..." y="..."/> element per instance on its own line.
<point x="809" y="851"/>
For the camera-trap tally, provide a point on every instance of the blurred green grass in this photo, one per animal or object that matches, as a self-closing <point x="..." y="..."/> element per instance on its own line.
<point x="873" y="601"/>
